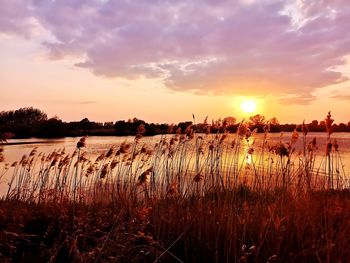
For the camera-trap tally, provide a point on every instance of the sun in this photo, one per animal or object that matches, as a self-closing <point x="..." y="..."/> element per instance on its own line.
<point x="248" y="106"/>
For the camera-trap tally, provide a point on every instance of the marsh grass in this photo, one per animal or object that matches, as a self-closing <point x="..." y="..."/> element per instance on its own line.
<point x="188" y="198"/>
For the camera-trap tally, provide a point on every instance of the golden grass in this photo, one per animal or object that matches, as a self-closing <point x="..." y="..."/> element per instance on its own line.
<point x="189" y="198"/>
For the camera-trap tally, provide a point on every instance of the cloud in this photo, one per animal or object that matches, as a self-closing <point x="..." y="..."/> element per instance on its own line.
<point x="15" y="18"/>
<point x="86" y="102"/>
<point x="78" y="102"/>
<point x="284" y="48"/>
<point x="344" y="97"/>
<point x="295" y="99"/>
<point x="341" y="96"/>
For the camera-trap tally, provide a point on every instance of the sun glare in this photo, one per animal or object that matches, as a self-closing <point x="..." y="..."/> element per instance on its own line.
<point x="248" y="106"/>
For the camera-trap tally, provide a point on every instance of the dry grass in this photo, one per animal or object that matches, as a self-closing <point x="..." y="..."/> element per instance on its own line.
<point x="189" y="198"/>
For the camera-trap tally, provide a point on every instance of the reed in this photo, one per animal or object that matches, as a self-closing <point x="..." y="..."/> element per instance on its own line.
<point x="189" y="198"/>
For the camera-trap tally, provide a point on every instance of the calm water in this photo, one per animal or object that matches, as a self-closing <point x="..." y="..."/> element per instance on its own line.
<point x="100" y="144"/>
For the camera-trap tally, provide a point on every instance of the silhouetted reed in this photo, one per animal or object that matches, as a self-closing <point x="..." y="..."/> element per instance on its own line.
<point x="195" y="197"/>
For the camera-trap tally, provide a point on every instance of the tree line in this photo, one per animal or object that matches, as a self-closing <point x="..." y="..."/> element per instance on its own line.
<point x="31" y="122"/>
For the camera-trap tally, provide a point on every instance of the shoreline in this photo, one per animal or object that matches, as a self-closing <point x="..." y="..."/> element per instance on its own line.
<point x="28" y="143"/>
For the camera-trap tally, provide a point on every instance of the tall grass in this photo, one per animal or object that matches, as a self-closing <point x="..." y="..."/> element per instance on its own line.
<point x="188" y="198"/>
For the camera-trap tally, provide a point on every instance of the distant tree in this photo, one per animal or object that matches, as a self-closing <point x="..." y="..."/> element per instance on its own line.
<point x="85" y="120"/>
<point x="257" y="120"/>
<point x="216" y="123"/>
<point x="274" y="121"/>
<point x="31" y="122"/>
<point x="184" y="125"/>
<point x="315" y="126"/>
<point x="341" y="127"/>
<point x="130" y="127"/>
<point x="108" y="124"/>
<point x="22" y="122"/>
<point x="53" y="127"/>
<point x="136" y="120"/>
<point x="314" y="123"/>
<point x="85" y="124"/>
<point x="229" y="121"/>
<point x="22" y="116"/>
<point x="122" y="127"/>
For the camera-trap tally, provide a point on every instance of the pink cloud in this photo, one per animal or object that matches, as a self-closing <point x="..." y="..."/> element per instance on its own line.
<point x="15" y="18"/>
<point x="216" y="47"/>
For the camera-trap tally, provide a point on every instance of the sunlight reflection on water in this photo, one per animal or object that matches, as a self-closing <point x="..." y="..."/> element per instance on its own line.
<point x="98" y="144"/>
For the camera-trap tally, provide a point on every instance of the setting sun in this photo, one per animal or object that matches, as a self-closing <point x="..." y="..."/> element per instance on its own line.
<point x="248" y="106"/>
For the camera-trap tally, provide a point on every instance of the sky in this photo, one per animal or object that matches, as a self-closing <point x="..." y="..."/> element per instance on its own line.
<point x="162" y="61"/>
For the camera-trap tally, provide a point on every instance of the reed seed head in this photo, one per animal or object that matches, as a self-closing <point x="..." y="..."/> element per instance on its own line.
<point x="82" y="142"/>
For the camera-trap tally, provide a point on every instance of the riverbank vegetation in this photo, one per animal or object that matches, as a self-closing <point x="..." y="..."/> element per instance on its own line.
<point x="30" y="122"/>
<point x="191" y="197"/>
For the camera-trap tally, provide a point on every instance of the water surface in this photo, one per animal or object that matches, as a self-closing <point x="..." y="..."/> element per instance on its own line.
<point x="100" y="144"/>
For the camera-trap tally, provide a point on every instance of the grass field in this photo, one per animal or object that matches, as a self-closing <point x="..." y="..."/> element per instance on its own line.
<point x="189" y="198"/>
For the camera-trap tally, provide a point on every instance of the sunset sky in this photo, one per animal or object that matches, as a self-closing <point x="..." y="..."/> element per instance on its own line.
<point x="161" y="61"/>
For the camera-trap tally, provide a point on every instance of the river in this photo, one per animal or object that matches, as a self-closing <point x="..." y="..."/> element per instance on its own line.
<point x="99" y="144"/>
